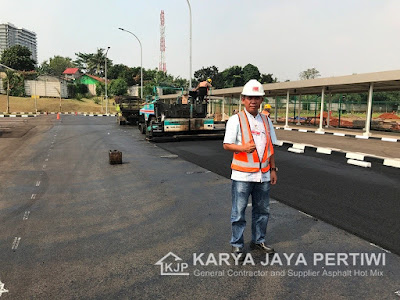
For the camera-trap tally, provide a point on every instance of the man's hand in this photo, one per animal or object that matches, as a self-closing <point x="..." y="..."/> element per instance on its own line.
<point x="249" y="148"/>
<point x="274" y="177"/>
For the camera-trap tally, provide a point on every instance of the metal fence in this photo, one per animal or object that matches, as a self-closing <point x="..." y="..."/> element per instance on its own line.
<point x="343" y="113"/>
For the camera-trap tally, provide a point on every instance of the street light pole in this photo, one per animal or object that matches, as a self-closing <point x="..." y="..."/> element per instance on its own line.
<point x="190" y="39"/>
<point x="105" y="74"/>
<point x="141" y="61"/>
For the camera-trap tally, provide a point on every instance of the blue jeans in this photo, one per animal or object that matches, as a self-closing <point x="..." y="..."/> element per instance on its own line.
<point x="259" y="192"/>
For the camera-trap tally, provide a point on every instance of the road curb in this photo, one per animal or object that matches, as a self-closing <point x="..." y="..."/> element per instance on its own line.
<point x="354" y="158"/>
<point x="384" y="139"/>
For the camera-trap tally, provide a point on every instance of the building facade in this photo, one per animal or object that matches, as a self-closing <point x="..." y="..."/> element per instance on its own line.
<point x="10" y="35"/>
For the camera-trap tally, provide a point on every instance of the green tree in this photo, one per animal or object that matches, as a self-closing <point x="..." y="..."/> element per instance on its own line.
<point x="100" y="88"/>
<point x="232" y="77"/>
<point x="18" y="57"/>
<point x="205" y="73"/>
<point x="309" y="74"/>
<point x="58" y="64"/>
<point x="93" y="63"/>
<point x="44" y="68"/>
<point x="250" y="72"/>
<point x="267" y="78"/>
<point x="118" y="87"/>
<point x="16" y="81"/>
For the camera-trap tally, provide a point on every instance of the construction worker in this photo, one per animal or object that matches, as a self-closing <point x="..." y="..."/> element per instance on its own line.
<point x="202" y="89"/>
<point x="267" y="110"/>
<point x="250" y="136"/>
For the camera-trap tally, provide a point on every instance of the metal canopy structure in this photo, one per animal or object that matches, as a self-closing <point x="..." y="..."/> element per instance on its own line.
<point x="357" y="83"/>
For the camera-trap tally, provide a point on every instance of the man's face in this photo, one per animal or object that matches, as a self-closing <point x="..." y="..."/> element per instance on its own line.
<point x="252" y="103"/>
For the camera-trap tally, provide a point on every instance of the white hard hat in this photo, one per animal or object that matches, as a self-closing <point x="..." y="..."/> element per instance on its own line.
<point x="253" y="88"/>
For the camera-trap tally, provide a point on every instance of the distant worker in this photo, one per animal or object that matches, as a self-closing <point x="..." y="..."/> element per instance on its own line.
<point x="202" y="89"/>
<point x="267" y="110"/>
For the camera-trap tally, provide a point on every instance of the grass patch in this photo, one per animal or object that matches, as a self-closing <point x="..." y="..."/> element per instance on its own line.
<point x="25" y="104"/>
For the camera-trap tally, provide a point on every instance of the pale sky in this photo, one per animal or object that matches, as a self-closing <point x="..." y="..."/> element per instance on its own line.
<point x="282" y="37"/>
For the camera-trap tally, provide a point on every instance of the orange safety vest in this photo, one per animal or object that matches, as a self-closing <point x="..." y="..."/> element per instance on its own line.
<point x="265" y="113"/>
<point x="250" y="162"/>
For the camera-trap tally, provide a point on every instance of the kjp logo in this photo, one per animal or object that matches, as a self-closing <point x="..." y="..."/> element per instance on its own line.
<point x="176" y="267"/>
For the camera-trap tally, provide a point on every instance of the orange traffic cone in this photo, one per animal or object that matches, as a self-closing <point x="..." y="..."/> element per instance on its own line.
<point x="58" y="116"/>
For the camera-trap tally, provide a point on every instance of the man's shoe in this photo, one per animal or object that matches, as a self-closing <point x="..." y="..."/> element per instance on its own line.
<point x="237" y="250"/>
<point x="262" y="247"/>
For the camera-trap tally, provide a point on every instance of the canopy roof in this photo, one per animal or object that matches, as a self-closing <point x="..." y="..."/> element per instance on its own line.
<point x="356" y="83"/>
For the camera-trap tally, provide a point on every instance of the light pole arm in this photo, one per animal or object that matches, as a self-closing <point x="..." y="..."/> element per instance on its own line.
<point x="141" y="60"/>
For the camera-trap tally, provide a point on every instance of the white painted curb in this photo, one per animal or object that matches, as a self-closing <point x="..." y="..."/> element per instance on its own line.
<point x="363" y="137"/>
<point x="389" y="140"/>
<point x="359" y="163"/>
<point x="324" y="150"/>
<point x="299" y="146"/>
<point x="395" y="163"/>
<point x="355" y="156"/>
<point x="294" y="150"/>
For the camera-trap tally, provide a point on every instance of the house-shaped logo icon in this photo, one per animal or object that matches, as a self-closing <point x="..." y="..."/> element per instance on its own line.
<point x="172" y="264"/>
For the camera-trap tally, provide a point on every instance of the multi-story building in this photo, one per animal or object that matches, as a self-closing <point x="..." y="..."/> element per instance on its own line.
<point x="10" y="35"/>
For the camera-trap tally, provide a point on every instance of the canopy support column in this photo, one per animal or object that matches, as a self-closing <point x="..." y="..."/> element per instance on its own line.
<point x="368" y="121"/>
<point x="287" y="110"/>
<point x="321" y="115"/>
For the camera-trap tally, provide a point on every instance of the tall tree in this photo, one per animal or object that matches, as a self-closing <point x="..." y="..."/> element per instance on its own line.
<point x="309" y="74"/>
<point x="18" y="57"/>
<point x="250" y="72"/>
<point x="205" y="73"/>
<point x="232" y="77"/>
<point x="58" y="64"/>
<point x="93" y="63"/>
<point x="267" y="78"/>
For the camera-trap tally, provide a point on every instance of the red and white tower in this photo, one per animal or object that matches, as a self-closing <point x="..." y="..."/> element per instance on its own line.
<point x="162" y="66"/>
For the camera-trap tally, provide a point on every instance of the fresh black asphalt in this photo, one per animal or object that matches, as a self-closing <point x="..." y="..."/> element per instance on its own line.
<point x="365" y="202"/>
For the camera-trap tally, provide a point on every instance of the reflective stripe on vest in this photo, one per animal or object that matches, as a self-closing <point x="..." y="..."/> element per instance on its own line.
<point x="250" y="162"/>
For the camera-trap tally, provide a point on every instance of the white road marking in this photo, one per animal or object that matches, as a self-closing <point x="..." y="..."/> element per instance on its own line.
<point x="37" y="183"/>
<point x="387" y="251"/>
<point x="26" y="215"/>
<point x="169" y="156"/>
<point x="33" y="196"/>
<point x="249" y="204"/>
<point x="44" y="167"/>
<point x="338" y="134"/>
<point x="15" y="243"/>
<point x="307" y="215"/>
<point x="2" y="289"/>
<point x="46" y="159"/>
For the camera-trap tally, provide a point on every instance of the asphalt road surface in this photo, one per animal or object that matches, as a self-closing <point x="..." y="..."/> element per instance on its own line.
<point x="75" y="227"/>
<point x="365" y="202"/>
